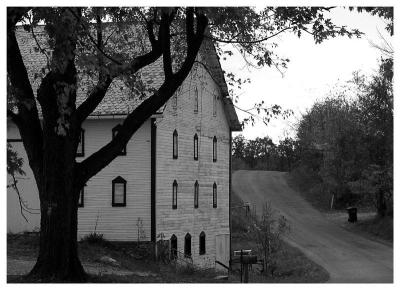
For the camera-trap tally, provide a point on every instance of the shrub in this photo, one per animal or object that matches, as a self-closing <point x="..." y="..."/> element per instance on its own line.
<point x="94" y="238"/>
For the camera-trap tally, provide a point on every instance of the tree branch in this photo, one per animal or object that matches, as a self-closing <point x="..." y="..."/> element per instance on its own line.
<point x="28" y="123"/>
<point x="98" y="160"/>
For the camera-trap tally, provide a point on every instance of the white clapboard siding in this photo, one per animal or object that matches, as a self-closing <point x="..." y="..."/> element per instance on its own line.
<point x="27" y="188"/>
<point x="115" y="223"/>
<point x="186" y="218"/>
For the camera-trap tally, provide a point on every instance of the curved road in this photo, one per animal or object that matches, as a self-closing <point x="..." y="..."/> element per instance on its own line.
<point x="346" y="256"/>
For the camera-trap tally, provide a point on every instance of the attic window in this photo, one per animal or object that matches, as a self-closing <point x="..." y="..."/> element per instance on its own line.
<point x="115" y="131"/>
<point x="81" y="197"/>
<point x="215" y="149"/>
<point x="119" y="192"/>
<point x="214" y="105"/>
<point x="175" y="145"/>
<point x="188" y="245"/>
<point x="175" y="195"/>
<point x="202" y="243"/>
<point x="215" y="195"/>
<point x="196" y="100"/>
<point x="196" y="147"/>
<point x="196" y="194"/>
<point x="175" y="100"/>
<point x="80" y="151"/>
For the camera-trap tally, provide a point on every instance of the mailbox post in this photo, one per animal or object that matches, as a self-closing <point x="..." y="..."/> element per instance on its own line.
<point x="246" y="259"/>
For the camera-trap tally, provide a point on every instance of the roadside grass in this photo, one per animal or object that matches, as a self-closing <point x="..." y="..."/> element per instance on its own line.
<point x="292" y="265"/>
<point x="368" y="224"/>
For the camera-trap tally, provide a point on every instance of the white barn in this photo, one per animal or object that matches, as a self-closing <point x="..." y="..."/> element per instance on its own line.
<point x="173" y="177"/>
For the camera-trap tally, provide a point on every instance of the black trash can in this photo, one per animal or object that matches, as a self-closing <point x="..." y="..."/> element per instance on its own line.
<point x="352" y="211"/>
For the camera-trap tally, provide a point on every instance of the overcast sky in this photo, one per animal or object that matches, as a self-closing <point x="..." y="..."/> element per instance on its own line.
<point x="313" y="70"/>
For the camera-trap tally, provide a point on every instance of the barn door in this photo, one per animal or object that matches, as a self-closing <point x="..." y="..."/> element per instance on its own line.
<point x="222" y="251"/>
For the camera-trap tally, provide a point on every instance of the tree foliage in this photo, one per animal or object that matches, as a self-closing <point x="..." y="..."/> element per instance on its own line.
<point x="91" y="48"/>
<point x="348" y="144"/>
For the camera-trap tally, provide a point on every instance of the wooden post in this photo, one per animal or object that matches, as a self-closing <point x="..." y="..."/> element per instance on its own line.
<point x="246" y="273"/>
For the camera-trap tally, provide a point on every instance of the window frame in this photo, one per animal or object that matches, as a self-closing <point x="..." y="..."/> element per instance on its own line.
<point x="215" y="148"/>
<point x="202" y="243"/>
<point x="81" y="199"/>
<point x="196" y="100"/>
<point x="196" y="194"/>
<point x="175" y="149"/>
<point x="214" y="105"/>
<point x="115" y="131"/>
<point x="215" y="195"/>
<point x="196" y="147"/>
<point x="173" y="255"/>
<point x="175" y="194"/>
<point x="81" y="144"/>
<point x="118" y="180"/>
<point x="188" y="246"/>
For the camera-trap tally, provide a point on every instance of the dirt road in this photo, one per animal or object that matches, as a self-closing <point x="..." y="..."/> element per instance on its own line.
<point x="346" y="256"/>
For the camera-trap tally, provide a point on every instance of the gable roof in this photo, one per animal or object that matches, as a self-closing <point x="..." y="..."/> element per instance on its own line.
<point x="119" y="99"/>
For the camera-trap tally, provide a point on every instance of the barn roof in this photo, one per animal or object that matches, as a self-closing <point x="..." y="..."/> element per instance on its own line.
<point x="119" y="99"/>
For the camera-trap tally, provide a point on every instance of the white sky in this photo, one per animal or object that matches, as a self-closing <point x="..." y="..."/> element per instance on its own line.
<point x="313" y="70"/>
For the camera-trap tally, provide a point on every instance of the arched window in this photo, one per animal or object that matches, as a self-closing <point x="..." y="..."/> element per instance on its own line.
<point x="196" y="100"/>
<point x="175" y="145"/>
<point x="202" y="243"/>
<point x="115" y="131"/>
<point x="196" y="194"/>
<point x="188" y="245"/>
<point x="214" y="195"/>
<point x="119" y="192"/>
<point x="175" y="195"/>
<point x="215" y="149"/>
<point x="80" y="151"/>
<point x="196" y="147"/>
<point x="174" y="247"/>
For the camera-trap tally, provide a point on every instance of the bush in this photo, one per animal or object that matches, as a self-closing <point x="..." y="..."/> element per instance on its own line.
<point x="94" y="238"/>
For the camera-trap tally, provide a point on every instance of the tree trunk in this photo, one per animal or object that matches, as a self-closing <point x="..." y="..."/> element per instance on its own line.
<point x="59" y="193"/>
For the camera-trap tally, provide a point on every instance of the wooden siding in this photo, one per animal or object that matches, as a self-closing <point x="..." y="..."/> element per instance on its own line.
<point x="186" y="170"/>
<point x="115" y="223"/>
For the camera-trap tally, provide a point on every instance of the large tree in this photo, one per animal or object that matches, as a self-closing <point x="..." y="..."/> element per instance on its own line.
<point x="81" y="44"/>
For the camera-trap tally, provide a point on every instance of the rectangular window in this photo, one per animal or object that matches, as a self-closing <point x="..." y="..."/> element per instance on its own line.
<point x="196" y="147"/>
<point x="80" y="151"/>
<point x="214" y="105"/>
<point x="175" y="195"/>
<point x="215" y="195"/>
<point x="196" y="194"/>
<point x="196" y="100"/>
<point x="175" y="145"/>
<point x="215" y="149"/>
<point x="81" y="198"/>
<point x="115" y="131"/>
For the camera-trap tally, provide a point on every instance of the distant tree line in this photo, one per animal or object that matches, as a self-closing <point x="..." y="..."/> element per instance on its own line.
<point x="263" y="154"/>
